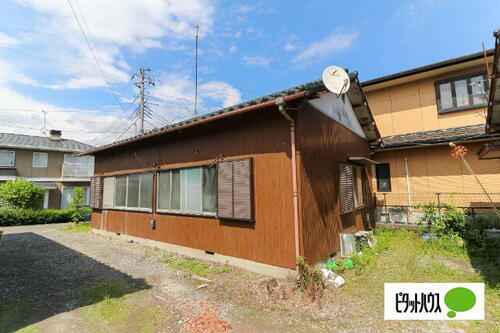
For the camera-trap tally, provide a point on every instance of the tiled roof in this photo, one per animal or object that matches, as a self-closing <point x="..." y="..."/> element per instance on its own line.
<point x="433" y="137"/>
<point x="11" y="140"/>
<point x="433" y="66"/>
<point x="355" y="94"/>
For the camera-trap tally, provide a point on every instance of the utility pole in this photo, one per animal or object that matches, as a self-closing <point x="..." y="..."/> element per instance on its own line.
<point x="143" y="80"/>
<point x="196" y="75"/>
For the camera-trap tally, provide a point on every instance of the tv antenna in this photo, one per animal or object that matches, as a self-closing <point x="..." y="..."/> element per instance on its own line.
<point x="196" y="74"/>
<point x="336" y="80"/>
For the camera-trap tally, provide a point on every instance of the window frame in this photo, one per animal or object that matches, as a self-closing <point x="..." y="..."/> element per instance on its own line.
<point x="133" y="209"/>
<point x="363" y="195"/>
<point x="181" y="212"/>
<point x="33" y="160"/>
<point x="377" y="177"/>
<point x="452" y="81"/>
<point x="13" y="158"/>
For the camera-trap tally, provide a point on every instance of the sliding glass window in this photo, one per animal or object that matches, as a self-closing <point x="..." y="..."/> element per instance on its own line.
<point x="187" y="190"/>
<point x="134" y="191"/>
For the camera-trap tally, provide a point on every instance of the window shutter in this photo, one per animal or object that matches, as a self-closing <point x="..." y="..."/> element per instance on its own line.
<point x="95" y="192"/>
<point x="346" y="190"/>
<point x="242" y="187"/>
<point x="234" y="190"/>
<point x="225" y="190"/>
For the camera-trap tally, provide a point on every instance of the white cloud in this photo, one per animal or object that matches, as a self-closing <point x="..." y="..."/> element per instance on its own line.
<point x="290" y="46"/>
<point x="257" y="61"/>
<point x="177" y="94"/>
<point x="115" y="27"/>
<point x="89" y="126"/>
<point x="331" y="44"/>
<point x="415" y="13"/>
<point x="220" y="91"/>
<point x="233" y="49"/>
<point x="6" y="40"/>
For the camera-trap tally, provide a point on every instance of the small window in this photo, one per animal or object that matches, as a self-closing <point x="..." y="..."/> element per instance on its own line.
<point x="383" y="172"/>
<point x="7" y="158"/>
<point x="353" y="187"/>
<point x="40" y="160"/>
<point x="187" y="190"/>
<point x="460" y="93"/>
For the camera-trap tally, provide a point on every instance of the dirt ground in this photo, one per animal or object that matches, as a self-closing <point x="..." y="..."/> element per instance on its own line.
<point x="59" y="281"/>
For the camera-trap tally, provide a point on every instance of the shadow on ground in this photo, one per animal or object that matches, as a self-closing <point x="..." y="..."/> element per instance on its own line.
<point x="40" y="278"/>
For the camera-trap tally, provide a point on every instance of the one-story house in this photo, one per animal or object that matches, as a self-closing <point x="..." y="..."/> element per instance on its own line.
<point x="255" y="185"/>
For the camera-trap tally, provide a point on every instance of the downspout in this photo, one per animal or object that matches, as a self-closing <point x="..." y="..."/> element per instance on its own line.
<point x="282" y="109"/>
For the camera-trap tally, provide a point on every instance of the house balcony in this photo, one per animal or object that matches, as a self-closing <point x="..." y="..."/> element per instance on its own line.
<point x="77" y="170"/>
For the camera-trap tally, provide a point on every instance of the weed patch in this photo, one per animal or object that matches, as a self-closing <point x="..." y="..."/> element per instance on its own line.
<point x="107" y="300"/>
<point x="193" y="266"/>
<point x="78" y="227"/>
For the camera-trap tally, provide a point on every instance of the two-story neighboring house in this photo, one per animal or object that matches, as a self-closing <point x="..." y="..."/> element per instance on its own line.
<point x="418" y="112"/>
<point x="49" y="162"/>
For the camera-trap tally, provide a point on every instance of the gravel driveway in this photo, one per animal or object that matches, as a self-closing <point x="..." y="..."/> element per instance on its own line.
<point x="44" y="272"/>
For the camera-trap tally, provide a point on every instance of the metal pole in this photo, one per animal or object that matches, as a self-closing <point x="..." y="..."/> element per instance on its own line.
<point x="141" y="105"/>
<point x="481" y="185"/>
<point x="439" y="203"/>
<point x="44" y="113"/>
<point x="196" y="75"/>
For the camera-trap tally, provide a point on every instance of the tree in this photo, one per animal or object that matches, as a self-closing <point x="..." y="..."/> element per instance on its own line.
<point x="21" y="194"/>
<point x="76" y="205"/>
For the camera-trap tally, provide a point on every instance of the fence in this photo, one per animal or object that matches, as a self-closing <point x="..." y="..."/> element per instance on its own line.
<point x="401" y="208"/>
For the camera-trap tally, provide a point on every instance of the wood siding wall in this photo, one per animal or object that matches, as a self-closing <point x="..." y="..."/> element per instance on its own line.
<point x="323" y="144"/>
<point x="262" y="135"/>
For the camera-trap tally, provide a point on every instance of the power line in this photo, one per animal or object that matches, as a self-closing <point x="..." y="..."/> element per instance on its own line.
<point x="94" y="54"/>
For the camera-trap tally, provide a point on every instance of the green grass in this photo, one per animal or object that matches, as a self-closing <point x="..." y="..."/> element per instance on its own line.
<point x="107" y="302"/>
<point x="193" y="266"/>
<point x="404" y="256"/>
<point x="80" y="227"/>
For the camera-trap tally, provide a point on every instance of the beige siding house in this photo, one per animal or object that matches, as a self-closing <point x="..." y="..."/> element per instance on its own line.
<point x="418" y="112"/>
<point x="49" y="162"/>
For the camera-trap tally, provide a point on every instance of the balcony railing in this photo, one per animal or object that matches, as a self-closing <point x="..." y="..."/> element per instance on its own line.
<point x="77" y="170"/>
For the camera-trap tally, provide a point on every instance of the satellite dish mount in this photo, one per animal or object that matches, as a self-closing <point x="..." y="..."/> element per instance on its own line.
<point x="336" y="80"/>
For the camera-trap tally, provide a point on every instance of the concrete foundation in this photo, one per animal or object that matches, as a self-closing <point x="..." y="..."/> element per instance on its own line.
<point x="252" y="266"/>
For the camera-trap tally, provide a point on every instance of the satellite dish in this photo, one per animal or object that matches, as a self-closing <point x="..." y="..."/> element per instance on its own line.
<point x="336" y="80"/>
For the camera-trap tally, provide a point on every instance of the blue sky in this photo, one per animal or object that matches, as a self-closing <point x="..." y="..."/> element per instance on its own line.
<point x="247" y="49"/>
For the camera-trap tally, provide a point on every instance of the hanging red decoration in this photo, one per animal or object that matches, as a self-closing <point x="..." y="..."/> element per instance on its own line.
<point x="458" y="151"/>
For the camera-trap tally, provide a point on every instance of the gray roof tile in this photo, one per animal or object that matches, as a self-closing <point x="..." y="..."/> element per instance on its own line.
<point x="432" y="137"/>
<point x="12" y="140"/>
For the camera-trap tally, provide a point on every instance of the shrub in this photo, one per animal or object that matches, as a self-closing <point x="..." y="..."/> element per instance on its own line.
<point x="21" y="194"/>
<point x="310" y="280"/>
<point x="445" y="221"/>
<point x="475" y="236"/>
<point x="9" y="217"/>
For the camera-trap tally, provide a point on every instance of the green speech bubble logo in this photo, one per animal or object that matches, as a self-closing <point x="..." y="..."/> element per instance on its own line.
<point x="459" y="299"/>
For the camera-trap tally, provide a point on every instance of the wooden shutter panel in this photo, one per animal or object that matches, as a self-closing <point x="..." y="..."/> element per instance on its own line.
<point x="225" y="190"/>
<point x="242" y="188"/>
<point x="346" y="190"/>
<point x="95" y="192"/>
<point x="234" y="190"/>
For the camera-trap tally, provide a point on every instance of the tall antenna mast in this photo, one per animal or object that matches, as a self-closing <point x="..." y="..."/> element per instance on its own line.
<point x="196" y="75"/>
<point x="143" y="79"/>
<point x="44" y="115"/>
